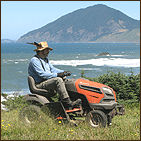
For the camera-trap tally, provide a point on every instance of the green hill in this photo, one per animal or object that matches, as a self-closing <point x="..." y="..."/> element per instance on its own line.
<point x="91" y="24"/>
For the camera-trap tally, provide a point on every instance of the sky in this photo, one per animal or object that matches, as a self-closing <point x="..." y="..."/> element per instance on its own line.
<point x="20" y="17"/>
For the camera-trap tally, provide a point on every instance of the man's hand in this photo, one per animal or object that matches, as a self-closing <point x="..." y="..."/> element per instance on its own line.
<point x="60" y="74"/>
<point x="67" y="73"/>
<point x="63" y="74"/>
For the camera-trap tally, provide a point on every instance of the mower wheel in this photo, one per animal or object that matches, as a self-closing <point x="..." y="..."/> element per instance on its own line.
<point x="96" y="119"/>
<point x="31" y="114"/>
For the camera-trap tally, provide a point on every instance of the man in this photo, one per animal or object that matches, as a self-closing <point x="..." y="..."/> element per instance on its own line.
<point x="48" y="77"/>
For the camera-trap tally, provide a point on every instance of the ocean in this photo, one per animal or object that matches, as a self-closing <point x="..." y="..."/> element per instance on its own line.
<point x="15" y="57"/>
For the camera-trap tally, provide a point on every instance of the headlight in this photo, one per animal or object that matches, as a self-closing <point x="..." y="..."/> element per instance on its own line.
<point x="107" y="91"/>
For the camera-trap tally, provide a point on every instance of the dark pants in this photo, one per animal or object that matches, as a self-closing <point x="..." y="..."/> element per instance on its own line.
<point x="56" y="84"/>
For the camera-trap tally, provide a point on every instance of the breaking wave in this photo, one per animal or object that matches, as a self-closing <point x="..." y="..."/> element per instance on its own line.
<point x="114" y="62"/>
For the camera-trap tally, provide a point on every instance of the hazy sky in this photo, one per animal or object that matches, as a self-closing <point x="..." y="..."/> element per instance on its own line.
<point x="20" y="17"/>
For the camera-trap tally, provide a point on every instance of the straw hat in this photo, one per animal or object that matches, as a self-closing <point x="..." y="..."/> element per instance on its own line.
<point x="41" y="46"/>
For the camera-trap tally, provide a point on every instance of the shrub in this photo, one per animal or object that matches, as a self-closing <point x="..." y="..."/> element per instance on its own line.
<point x="126" y="87"/>
<point x="13" y="102"/>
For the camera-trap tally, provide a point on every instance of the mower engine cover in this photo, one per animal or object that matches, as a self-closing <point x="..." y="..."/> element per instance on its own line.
<point x="97" y="94"/>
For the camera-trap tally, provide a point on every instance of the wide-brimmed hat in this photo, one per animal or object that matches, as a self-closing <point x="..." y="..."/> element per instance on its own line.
<point x="41" y="46"/>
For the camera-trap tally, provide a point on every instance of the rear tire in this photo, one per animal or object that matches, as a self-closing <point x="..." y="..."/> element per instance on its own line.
<point x="96" y="119"/>
<point x="31" y="114"/>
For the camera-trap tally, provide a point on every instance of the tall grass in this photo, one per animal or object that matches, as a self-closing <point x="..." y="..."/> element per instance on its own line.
<point x="126" y="127"/>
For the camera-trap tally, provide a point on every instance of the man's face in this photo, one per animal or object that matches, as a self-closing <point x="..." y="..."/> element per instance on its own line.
<point x="46" y="52"/>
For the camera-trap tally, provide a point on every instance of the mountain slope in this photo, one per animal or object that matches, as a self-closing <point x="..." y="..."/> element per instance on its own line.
<point x="123" y="37"/>
<point x="84" y="25"/>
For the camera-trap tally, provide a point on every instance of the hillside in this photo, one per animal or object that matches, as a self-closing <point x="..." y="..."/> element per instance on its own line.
<point x="7" y="41"/>
<point x="97" y="23"/>
<point x="123" y="37"/>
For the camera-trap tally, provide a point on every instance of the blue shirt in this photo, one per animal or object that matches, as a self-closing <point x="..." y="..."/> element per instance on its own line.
<point x="36" y="70"/>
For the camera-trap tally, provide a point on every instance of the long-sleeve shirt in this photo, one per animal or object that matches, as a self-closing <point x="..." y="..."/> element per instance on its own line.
<point x="37" y="71"/>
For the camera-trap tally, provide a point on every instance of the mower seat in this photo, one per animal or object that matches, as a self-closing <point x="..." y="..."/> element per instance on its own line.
<point x="35" y="90"/>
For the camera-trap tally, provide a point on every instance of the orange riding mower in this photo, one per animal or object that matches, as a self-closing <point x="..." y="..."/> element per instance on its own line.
<point x="98" y="104"/>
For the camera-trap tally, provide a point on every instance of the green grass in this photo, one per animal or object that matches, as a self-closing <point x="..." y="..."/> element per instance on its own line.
<point x="126" y="127"/>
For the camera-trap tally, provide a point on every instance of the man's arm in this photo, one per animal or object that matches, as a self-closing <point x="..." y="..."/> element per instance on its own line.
<point x="55" y="70"/>
<point x="37" y="66"/>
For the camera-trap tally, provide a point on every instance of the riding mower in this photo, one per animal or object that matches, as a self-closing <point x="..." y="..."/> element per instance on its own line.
<point x="97" y="108"/>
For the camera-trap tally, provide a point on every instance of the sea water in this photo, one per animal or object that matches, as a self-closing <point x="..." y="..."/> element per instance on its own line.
<point x="73" y="57"/>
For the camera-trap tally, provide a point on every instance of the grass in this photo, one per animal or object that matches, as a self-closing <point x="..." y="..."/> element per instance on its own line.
<point x="126" y="127"/>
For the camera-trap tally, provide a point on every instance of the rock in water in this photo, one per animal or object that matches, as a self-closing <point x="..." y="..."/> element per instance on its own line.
<point x="104" y="53"/>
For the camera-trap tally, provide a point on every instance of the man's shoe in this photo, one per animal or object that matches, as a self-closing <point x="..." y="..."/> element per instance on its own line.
<point x="68" y="103"/>
<point x="76" y="103"/>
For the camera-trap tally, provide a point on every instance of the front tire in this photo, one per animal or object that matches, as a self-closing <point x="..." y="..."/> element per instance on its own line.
<point x="96" y="119"/>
